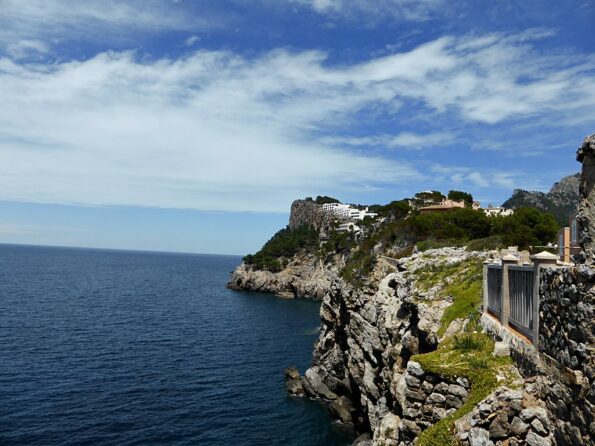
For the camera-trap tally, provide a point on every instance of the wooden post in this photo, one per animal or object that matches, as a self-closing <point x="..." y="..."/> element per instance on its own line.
<point x="505" y="292"/>
<point x="542" y="260"/>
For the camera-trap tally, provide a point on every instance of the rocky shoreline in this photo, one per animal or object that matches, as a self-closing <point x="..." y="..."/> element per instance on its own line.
<point x="305" y="277"/>
<point x="388" y="351"/>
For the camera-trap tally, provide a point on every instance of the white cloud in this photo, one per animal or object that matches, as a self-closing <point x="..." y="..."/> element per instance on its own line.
<point x="206" y="132"/>
<point x="216" y="130"/>
<point x="57" y="21"/>
<point x="414" y="10"/>
<point x="403" y="140"/>
<point x="190" y="41"/>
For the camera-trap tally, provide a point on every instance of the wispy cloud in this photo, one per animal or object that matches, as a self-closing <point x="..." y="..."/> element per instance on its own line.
<point x="414" y="10"/>
<point x="35" y="26"/>
<point x="221" y="131"/>
<point x="404" y="140"/>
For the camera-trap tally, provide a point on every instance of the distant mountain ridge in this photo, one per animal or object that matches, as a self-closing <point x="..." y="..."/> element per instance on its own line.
<point x="562" y="199"/>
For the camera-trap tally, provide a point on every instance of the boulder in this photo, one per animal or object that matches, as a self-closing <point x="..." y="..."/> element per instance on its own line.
<point x="293" y="381"/>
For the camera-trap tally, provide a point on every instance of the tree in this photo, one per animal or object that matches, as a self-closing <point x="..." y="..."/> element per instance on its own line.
<point x="396" y="210"/>
<point x="323" y="199"/>
<point x="457" y="195"/>
<point x="427" y="198"/>
<point x="526" y="227"/>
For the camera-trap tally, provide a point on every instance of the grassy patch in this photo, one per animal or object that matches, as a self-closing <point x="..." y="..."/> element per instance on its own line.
<point x="465" y="291"/>
<point x="469" y="356"/>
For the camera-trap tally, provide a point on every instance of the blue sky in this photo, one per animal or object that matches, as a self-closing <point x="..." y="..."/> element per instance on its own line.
<point x="192" y="125"/>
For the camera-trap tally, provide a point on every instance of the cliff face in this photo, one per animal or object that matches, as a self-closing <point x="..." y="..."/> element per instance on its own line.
<point x="586" y="216"/>
<point x="362" y="363"/>
<point x="383" y="364"/>
<point x="304" y="277"/>
<point x="305" y="212"/>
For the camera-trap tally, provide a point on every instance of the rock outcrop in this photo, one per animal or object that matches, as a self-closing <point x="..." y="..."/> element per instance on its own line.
<point x="586" y="215"/>
<point x="516" y="417"/>
<point x="561" y="200"/>
<point x="367" y="338"/>
<point x="304" y="277"/>
<point x="306" y="212"/>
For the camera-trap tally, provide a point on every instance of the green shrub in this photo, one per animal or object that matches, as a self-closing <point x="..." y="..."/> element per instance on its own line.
<point x="324" y="200"/>
<point x="465" y="290"/>
<point x="467" y="342"/>
<point x="457" y="195"/>
<point x="526" y="227"/>
<point x="284" y="244"/>
<point x="358" y="267"/>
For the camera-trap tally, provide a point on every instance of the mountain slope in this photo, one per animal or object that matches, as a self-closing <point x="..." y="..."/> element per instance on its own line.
<point x="561" y="200"/>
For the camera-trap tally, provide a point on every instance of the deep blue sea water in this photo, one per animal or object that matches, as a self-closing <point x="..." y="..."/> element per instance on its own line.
<point x="128" y="348"/>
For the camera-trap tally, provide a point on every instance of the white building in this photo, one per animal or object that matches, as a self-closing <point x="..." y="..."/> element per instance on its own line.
<point x="349" y="227"/>
<point x="499" y="211"/>
<point x="346" y="211"/>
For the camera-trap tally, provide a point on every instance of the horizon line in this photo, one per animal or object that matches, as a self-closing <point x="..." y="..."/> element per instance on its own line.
<point x="145" y="251"/>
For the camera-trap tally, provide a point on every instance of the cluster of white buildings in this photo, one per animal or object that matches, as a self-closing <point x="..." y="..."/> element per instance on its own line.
<point x="347" y="212"/>
<point x="447" y="205"/>
<point x="497" y="211"/>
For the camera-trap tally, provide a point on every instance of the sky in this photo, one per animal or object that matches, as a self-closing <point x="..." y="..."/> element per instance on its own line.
<point x="191" y="126"/>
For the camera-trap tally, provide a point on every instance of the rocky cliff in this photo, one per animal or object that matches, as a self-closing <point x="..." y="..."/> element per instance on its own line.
<point x="306" y="212"/>
<point x="404" y="357"/>
<point x="305" y="276"/>
<point x="586" y="216"/>
<point x="396" y="362"/>
<point x="362" y="361"/>
<point x="404" y="360"/>
<point x="562" y="199"/>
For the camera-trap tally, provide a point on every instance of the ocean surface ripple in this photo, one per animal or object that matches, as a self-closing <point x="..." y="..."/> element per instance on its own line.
<point x="127" y="348"/>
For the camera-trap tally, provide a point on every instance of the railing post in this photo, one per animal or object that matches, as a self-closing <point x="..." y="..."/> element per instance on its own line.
<point x="542" y="260"/>
<point x="505" y="291"/>
<point x="485" y="286"/>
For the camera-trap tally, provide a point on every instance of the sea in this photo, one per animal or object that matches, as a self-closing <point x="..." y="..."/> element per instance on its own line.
<point x="102" y="347"/>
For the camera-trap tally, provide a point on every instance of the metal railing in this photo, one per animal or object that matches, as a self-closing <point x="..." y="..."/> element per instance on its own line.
<point x="511" y="292"/>
<point x="520" y="283"/>
<point x="495" y="290"/>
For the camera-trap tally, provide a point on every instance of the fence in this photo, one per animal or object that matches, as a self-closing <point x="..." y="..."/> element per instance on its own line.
<point x="511" y="293"/>
<point x="520" y="282"/>
<point x="494" y="290"/>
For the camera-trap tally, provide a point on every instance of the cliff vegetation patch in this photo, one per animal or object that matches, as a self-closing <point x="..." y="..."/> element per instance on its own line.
<point x="465" y="356"/>
<point x="283" y="245"/>
<point x="462" y="281"/>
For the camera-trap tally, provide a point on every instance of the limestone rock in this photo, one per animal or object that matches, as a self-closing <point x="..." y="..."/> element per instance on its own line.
<point x="501" y="349"/>
<point x="293" y="382"/>
<point x="479" y="437"/>
<point x="586" y="212"/>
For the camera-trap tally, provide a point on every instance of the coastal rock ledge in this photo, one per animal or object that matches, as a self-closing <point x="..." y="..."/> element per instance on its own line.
<point x="303" y="277"/>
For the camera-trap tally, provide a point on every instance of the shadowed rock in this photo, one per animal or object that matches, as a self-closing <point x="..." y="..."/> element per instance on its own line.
<point x="586" y="213"/>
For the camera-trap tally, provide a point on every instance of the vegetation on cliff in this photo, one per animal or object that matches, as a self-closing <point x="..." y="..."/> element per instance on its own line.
<point x="561" y="201"/>
<point x="465" y="356"/>
<point x="463" y="284"/>
<point x="284" y="244"/>
<point x="399" y="228"/>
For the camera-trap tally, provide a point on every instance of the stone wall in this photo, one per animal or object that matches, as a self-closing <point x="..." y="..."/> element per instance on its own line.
<point x="567" y="348"/>
<point x="507" y="417"/>
<point x="566" y="317"/>
<point x="426" y="399"/>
